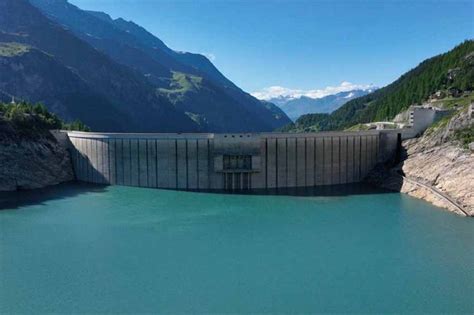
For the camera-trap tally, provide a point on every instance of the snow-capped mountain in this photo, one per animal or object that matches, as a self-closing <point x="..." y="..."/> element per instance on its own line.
<point x="297" y="102"/>
<point x="295" y="107"/>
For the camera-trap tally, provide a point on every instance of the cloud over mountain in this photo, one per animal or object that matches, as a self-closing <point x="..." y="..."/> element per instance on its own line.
<point x="274" y="92"/>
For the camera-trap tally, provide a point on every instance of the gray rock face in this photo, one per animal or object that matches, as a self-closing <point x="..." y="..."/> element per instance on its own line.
<point x="33" y="163"/>
<point x="448" y="168"/>
<point x="439" y="164"/>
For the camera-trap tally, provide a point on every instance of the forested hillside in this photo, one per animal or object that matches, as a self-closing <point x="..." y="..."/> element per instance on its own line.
<point x="451" y="70"/>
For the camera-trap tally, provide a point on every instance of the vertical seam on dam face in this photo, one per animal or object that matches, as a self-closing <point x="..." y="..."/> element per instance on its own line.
<point x="323" y="166"/>
<point x="187" y="164"/>
<point x="209" y="165"/>
<point x="360" y="158"/>
<point x="337" y="159"/>
<point x="266" y="163"/>
<point x="332" y="159"/>
<point x="314" y="161"/>
<point x="347" y="159"/>
<point x="147" y="165"/>
<point x="197" y="164"/>
<point x="176" y="162"/>
<point x="94" y="161"/>
<point x="89" y="165"/>
<point x="296" y="162"/>
<point x="156" y="163"/>
<point x="276" y="164"/>
<point x="138" y="163"/>
<point x="305" y="163"/>
<point x="194" y="161"/>
<point x="123" y="164"/>
<point x="108" y="159"/>
<point x="129" y="180"/>
<point x="286" y="162"/>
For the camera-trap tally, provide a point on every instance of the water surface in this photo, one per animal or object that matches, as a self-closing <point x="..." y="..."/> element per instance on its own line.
<point x="77" y="248"/>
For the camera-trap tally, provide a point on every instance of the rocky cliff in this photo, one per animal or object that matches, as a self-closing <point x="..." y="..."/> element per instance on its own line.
<point x="29" y="162"/>
<point x="437" y="167"/>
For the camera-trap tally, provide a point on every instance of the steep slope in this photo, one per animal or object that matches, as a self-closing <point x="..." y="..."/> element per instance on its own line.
<point x="133" y="46"/>
<point x="451" y="70"/>
<point x="30" y="157"/>
<point x="22" y="73"/>
<point x="126" y="90"/>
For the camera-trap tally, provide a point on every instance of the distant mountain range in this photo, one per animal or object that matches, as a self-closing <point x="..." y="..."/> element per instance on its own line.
<point x="451" y="71"/>
<point x="296" y="107"/>
<point x="116" y="76"/>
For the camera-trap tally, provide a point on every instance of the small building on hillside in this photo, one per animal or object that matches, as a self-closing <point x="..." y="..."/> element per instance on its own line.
<point x="421" y="117"/>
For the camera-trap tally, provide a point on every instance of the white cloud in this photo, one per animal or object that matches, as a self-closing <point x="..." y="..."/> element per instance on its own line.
<point x="210" y="56"/>
<point x="283" y="92"/>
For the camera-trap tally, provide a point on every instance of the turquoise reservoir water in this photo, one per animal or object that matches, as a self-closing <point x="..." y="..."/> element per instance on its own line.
<point x="92" y="249"/>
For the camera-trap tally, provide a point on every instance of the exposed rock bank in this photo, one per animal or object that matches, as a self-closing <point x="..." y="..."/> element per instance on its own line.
<point x="31" y="162"/>
<point x="436" y="168"/>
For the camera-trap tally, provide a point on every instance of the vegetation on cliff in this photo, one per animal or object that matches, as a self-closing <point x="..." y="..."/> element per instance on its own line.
<point x="465" y="136"/>
<point x="453" y="71"/>
<point x="30" y="120"/>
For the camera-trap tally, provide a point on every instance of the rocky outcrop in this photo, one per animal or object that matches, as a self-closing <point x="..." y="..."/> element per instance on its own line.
<point x="436" y="167"/>
<point x="31" y="162"/>
<point x="447" y="168"/>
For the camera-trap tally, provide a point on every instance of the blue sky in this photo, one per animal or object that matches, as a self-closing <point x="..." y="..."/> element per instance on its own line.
<point x="299" y="44"/>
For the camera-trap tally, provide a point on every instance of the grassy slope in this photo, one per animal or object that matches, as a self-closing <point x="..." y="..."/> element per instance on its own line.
<point x="13" y="49"/>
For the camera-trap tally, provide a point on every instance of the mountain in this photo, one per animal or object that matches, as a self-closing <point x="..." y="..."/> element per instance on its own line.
<point x="453" y="70"/>
<point x="295" y="107"/>
<point x="22" y="73"/>
<point x="190" y="82"/>
<point x="43" y="62"/>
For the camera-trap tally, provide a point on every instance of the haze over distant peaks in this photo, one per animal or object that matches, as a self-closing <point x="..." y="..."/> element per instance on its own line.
<point x="297" y="102"/>
<point x="280" y="92"/>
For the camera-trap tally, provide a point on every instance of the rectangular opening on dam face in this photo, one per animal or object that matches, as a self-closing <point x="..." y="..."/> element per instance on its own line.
<point x="236" y="169"/>
<point x="217" y="162"/>
<point x="237" y="162"/>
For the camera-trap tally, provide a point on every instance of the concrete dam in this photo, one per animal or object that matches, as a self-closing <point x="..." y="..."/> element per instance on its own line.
<point x="229" y="161"/>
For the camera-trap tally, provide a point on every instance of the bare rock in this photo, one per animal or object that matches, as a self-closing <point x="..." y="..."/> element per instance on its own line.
<point x="436" y="168"/>
<point x="29" y="163"/>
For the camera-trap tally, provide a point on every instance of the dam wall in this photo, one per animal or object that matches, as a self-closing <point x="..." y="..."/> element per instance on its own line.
<point x="229" y="161"/>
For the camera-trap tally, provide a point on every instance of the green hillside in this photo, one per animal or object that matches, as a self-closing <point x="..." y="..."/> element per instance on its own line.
<point x="451" y="70"/>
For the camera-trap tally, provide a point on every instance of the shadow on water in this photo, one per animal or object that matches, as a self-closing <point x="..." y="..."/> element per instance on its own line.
<point x="17" y="199"/>
<point x="322" y="191"/>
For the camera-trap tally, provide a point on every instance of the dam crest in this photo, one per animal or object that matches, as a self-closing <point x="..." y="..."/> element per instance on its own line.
<point x="234" y="161"/>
